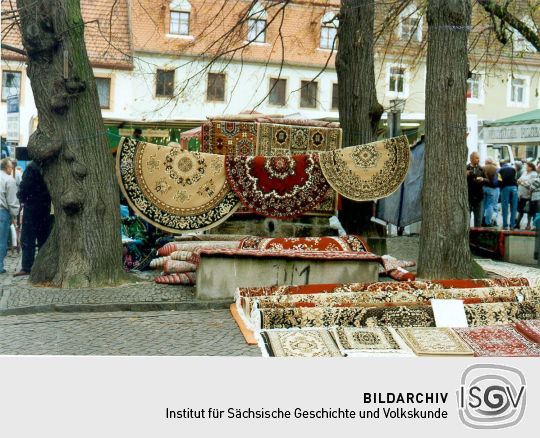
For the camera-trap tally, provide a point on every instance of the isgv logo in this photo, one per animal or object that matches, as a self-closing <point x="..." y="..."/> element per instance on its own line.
<point x="491" y="396"/>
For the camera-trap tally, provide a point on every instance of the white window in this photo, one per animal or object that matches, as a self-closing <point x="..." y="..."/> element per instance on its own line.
<point x="179" y="23"/>
<point x="475" y="88"/>
<point x="410" y="25"/>
<point x="11" y="83"/>
<point x="397" y="81"/>
<point x="180" y="13"/>
<point x="257" y="24"/>
<point x="518" y="91"/>
<point x="329" y="31"/>
<point x="104" y="92"/>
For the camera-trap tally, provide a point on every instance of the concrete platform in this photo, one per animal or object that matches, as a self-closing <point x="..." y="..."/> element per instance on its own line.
<point x="220" y="272"/>
<point x="519" y="249"/>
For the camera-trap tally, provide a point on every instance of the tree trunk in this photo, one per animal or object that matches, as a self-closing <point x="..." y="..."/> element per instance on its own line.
<point x="84" y="248"/>
<point x="359" y="110"/>
<point x="444" y="240"/>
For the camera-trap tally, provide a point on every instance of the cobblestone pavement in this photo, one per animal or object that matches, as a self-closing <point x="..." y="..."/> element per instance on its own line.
<point x="185" y="333"/>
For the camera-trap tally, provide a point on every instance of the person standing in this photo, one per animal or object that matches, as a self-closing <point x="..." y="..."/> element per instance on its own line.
<point x="524" y="194"/>
<point x="509" y="194"/>
<point x="491" y="192"/>
<point x="9" y="207"/>
<point x="475" y="182"/>
<point x="36" y="222"/>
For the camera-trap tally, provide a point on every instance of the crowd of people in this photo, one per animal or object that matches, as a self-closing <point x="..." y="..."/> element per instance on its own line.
<point x="25" y="205"/>
<point x="516" y="187"/>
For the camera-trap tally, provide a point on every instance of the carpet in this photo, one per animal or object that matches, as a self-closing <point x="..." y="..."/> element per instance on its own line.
<point x="176" y="266"/>
<point x="171" y="247"/>
<point x="499" y="313"/>
<point x="229" y="138"/>
<point x="278" y="139"/>
<point x="434" y="341"/>
<point x="484" y="282"/>
<point x="186" y="278"/>
<point x="279" y="187"/>
<point x="498" y="341"/>
<point x="345" y="243"/>
<point x="386" y="298"/>
<point x="367" y="172"/>
<point x="398" y="316"/>
<point x="299" y="343"/>
<point x="174" y="190"/>
<point x="182" y="255"/>
<point x="510" y="270"/>
<point x="530" y="329"/>
<point x="159" y="262"/>
<point x="372" y="341"/>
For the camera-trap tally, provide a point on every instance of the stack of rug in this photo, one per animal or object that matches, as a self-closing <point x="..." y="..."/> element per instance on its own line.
<point x="178" y="261"/>
<point x="388" y="318"/>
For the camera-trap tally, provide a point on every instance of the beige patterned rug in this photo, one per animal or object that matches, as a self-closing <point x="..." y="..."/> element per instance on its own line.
<point x="434" y="341"/>
<point x="509" y="270"/>
<point x="370" y="341"/>
<point x="175" y="190"/>
<point x="298" y="343"/>
<point x="367" y="172"/>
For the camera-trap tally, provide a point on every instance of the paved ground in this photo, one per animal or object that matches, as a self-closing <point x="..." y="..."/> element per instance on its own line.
<point x="184" y="333"/>
<point x="79" y="330"/>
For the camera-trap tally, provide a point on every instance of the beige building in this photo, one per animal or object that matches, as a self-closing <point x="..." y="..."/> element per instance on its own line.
<point x="158" y="60"/>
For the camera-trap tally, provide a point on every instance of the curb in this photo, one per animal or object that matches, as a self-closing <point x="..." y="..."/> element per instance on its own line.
<point x="119" y="307"/>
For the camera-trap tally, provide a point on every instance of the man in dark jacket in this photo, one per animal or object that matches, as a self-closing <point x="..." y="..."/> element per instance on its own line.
<point x="36" y="223"/>
<point x="475" y="183"/>
<point x="509" y="193"/>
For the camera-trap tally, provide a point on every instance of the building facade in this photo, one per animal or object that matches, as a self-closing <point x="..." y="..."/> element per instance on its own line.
<point x="185" y="60"/>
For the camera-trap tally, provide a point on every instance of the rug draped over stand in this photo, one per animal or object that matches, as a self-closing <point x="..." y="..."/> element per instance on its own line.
<point x="367" y="172"/>
<point x="279" y="187"/>
<point x="175" y="190"/>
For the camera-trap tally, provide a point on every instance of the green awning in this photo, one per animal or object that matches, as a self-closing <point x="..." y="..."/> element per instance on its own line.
<point x="527" y="118"/>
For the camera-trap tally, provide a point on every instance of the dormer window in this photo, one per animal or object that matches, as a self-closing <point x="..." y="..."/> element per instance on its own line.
<point x="180" y="13"/>
<point x="328" y="31"/>
<point x="410" y="25"/>
<point x="257" y="24"/>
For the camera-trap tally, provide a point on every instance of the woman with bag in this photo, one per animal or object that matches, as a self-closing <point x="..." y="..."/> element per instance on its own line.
<point x="524" y="193"/>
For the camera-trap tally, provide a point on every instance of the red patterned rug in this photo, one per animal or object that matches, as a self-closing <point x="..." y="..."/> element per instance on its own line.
<point x="381" y="286"/>
<point x="279" y="187"/>
<point x="229" y="138"/>
<point x="350" y="243"/>
<point x="530" y="329"/>
<point x="498" y="341"/>
<point x="187" y="278"/>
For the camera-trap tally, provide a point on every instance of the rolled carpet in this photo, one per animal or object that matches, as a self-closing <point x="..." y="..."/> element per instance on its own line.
<point x="175" y="266"/>
<point x="186" y="278"/>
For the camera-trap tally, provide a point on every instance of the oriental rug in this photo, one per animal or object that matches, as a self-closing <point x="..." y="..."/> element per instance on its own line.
<point x="375" y="340"/>
<point x="530" y="329"/>
<point x="279" y="187"/>
<point x="343" y="316"/>
<point x="484" y="282"/>
<point x="367" y="172"/>
<point x="175" y="190"/>
<point x="159" y="262"/>
<point x="299" y="343"/>
<point x="386" y="298"/>
<point x="182" y="255"/>
<point x="171" y="247"/>
<point x="229" y="138"/>
<point x="176" y="266"/>
<point x="499" y="313"/>
<point x="186" y="278"/>
<point x="275" y="139"/>
<point x="498" y="341"/>
<point x="434" y="341"/>
<point x="510" y="270"/>
<point x="345" y="243"/>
